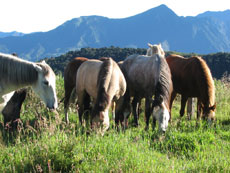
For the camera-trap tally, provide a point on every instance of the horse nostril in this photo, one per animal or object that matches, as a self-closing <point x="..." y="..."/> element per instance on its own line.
<point x="51" y="107"/>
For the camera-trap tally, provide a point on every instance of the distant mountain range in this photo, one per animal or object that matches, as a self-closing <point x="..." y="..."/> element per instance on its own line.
<point x="206" y="33"/>
<point x="9" y="34"/>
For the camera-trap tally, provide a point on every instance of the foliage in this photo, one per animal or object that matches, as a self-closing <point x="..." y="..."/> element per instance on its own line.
<point x="44" y="143"/>
<point x="219" y="63"/>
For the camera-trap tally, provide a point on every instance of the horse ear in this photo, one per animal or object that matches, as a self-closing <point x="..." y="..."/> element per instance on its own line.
<point x="43" y="62"/>
<point x="150" y="45"/>
<point x="37" y="68"/>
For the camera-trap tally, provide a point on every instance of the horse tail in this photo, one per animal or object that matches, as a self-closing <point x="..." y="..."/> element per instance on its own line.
<point x="103" y="82"/>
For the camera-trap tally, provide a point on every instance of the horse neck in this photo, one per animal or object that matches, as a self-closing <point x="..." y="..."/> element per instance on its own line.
<point x="208" y="92"/>
<point x="164" y="85"/>
<point x="103" y="100"/>
<point x="19" y="73"/>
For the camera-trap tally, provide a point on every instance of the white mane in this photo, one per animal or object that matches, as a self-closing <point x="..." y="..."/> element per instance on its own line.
<point x="16" y="71"/>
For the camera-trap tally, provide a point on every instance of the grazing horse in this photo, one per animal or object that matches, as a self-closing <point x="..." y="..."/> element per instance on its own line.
<point x="16" y="73"/>
<point x="192" y="78"/>
<point x="11" y="111"/>
<point x="104" y="82"/>
<point x="70" y="82"/>
<point x="147" y="76"/>
<point x="153" y="49"/>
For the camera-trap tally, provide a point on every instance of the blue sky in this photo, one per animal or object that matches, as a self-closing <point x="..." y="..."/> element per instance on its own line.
<point x="43" y="15"/>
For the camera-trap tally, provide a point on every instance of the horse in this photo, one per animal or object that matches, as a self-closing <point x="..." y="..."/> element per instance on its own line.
<point x="155" y="49"/>
<point x="70" y="73"/>
<point x="11" y="111"/>
<point x="16" y="73"/>
<point x="192" y="78"/>
<point x="147" y="76"/>
<point x="105" y="83"/>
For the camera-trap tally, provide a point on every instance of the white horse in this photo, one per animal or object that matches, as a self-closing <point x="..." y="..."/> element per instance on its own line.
<point x="155" y="49"/>
<point x="16" y="73"/>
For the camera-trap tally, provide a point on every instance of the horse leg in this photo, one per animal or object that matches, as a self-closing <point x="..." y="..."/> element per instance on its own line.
<point x="183" y="103"/>
<point x="173" y="96"/>
<point x="199" y="109"/>
<point x="147" y="111"/>
<point x="122" y="111"/>
<point x="68" y="93"/>
<point x="81" y="98"/>
<point x="87" y="109"/>
<point x="113" y="105"/>
<point x="135" y="105"/>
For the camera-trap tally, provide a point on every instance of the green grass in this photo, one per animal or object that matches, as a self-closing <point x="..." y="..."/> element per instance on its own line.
<point x="44" y="143"/>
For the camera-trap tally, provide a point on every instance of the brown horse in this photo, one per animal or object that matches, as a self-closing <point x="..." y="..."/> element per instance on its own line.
<point x="70" y="82"/>
<point x="147" y="76"/>
<point x="11" y="111"/>
<point x="104" y="82"/>
<point x="192" y="78"/>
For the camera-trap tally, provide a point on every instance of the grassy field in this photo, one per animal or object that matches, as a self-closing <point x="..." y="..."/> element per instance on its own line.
<point x="44" y="143"/>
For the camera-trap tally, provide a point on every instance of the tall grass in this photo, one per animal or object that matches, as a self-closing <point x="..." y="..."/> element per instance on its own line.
<point x="44" y="143"/>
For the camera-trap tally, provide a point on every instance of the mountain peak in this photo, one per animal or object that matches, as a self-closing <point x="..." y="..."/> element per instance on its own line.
<point x="162" y="9"/>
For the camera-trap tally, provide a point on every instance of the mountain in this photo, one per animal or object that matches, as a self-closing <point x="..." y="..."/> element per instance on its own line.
<point x="224" y="15"/>
<point x="8" y="34"/>
<point x="202" y="34"/>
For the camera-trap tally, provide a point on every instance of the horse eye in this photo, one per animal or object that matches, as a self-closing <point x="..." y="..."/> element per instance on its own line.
<point x="46" y="83"/>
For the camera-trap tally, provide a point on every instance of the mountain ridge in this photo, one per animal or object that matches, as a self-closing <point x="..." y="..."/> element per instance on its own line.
<point x="202" y="34"/>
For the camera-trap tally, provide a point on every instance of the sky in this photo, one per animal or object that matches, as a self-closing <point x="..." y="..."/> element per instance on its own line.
<point x="43" y="15"/>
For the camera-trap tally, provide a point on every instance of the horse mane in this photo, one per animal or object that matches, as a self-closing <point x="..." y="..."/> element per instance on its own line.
<point x="207" y="77"/>
<point x="164" y="85"/>
<point x="17" y="71"/>
<point x="104" y="77"/>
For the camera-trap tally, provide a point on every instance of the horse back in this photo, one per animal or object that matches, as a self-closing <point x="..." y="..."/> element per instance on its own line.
<point x="189" y="75"/>
<point x="71" y="71"/>
<point x="141" y="74"/>
<point x="87" y="77"/>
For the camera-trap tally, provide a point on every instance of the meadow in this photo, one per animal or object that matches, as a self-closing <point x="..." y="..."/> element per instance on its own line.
<point x="43" y="142"/>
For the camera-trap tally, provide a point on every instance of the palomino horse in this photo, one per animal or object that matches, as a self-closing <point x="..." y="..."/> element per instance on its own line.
<point x="70" y="82"/>
<point x="16" y="73"/>
<point x="147" y="76"/>
<point x="104" y="82"/>
<point x="192" y="78"/>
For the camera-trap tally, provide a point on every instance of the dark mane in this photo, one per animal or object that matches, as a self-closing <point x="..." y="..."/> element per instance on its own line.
<point x="164" y="85"/>
<point x="104" y="77"/>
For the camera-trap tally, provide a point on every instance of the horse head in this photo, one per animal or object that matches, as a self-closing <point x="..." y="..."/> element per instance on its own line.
<point x="155" y="49"/>
<point x="46" y="84"/>
<point x="209" y="112"/>
<point x="161" y="113"/>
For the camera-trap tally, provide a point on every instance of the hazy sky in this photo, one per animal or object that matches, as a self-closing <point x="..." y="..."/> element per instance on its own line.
<point x="43" y="15"/>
